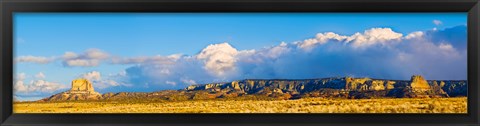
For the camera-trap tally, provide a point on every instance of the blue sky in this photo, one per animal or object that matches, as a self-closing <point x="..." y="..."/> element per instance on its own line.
<point x="188" y="31"/>
<point x="130" y="35"/>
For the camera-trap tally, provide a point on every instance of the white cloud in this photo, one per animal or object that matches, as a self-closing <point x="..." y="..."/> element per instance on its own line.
<point x="92" y="76"/>
<point x="437" y="22"/>
<point x="417" y="34"/>
<point x="447" y="47"/>
<point x="18" y="82"/>
<point x="34" y="59"/>
<point x="448" y="50"/>
<point x="95" y="54"/>
<point x="19" y="86"/>
<point x="395" y="57"/>
<point x="36" y="87"/>
<point x="369" y="37"/>
<point x="89" y="58"/>
<point x="219" y="58"/>
<point x="40" y="75"/>
<point x="102" y="82"/>
<point x="374" y="36"/>
<point x="82" y="62"/>
<point x="21" y="76"/>
<point x="70" y="55"/>
<point x="275" y="51"/>
<point x="321" y="38"/>
<point x="45" y="86"/>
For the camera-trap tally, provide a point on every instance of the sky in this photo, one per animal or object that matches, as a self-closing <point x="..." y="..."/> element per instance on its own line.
<point x="146" y="52"/>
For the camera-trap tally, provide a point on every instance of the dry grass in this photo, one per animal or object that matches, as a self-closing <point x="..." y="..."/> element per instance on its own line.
<point x="306" y="105"/>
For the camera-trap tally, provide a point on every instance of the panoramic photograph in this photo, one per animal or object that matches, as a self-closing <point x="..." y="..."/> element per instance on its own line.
<point x="240" y="63"/>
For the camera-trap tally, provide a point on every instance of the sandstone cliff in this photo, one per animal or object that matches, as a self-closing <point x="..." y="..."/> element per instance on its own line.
<point x="339" y="87"/>
<point x="81" y="89"/>
<point x="346" y="87"/>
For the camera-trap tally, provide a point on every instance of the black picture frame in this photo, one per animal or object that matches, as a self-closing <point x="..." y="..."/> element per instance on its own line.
<point x="8" y="7"/>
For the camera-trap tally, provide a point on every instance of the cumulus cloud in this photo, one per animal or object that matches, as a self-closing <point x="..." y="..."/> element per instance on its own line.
<point x="413" y="35"/>
<point x="437" y="22"/>
<point x="19" y="86"/>
<point x="272" y="52"/>
<point x="44" y="86"/>
<point x="384" y="53"/>
<point x="101" y="83"/>
<point x="321" y="38"/>
<point x="374" y="36"/>
<point x="219" y="58"/>
<point x="369" y="37"/>
<point x="35" y="87"/>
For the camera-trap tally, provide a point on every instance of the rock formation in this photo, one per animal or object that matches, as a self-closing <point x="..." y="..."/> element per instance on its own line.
<point x="454" y="88"/>
<point x="335" y="87"/>
<point x="347" y="87"/>
<point x="418" y="84"/>
<point x="81" y="89"/>
<point x="417" y="87"/>
<point x="81" y="86"/>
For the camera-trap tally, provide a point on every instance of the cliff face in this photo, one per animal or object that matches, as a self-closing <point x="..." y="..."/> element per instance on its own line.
<point x="82" y="86"/>
<point x="454" y="88"/>
<point x="81" y="89"/>
<point x="346" y="87"/>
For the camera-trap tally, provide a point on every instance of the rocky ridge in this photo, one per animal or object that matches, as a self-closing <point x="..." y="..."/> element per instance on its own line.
<point x="337" y="87"/>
